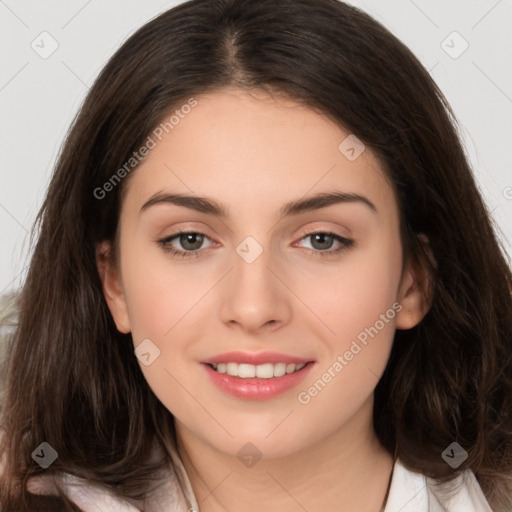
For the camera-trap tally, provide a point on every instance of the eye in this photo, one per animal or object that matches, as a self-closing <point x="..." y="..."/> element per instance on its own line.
<point x="191" y="241"/>
<point x="322" y="243"/>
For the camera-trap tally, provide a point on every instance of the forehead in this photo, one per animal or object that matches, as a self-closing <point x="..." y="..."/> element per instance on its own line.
<point x="247" y="147"/>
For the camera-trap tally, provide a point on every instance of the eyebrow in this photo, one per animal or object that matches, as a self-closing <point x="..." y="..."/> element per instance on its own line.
<point x="212" y="207"/>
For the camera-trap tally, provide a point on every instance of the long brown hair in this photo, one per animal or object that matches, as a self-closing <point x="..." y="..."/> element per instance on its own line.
<point x="72" y="378"/>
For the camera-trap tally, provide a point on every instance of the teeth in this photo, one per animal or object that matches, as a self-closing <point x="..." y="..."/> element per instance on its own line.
<point x="246" y="371"/>
<point x="279" y="369"/>
<point x="232" y="368"/>
<point x="262" y="371"/>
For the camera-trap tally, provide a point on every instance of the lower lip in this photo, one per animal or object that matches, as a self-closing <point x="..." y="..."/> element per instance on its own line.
<point x="257" y="389"/>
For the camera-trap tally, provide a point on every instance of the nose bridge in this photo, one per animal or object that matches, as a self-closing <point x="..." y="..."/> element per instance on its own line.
<point x="254" y="296"/>
<point x="251" y="267"/>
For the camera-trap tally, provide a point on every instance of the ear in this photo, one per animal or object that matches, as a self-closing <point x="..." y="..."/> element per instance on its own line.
<point x="415" y="294"/>
<point x="112" y="286"/>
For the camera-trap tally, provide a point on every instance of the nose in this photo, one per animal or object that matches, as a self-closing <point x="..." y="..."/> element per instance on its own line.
<point x="254" y="295"/>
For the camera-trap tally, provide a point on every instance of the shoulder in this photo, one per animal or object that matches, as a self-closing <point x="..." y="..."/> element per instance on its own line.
<point x="415" y="492"/>
<point x="170" y="494"/>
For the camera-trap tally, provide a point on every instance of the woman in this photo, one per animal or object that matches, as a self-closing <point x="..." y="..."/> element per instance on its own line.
<point x="187" y="341"/>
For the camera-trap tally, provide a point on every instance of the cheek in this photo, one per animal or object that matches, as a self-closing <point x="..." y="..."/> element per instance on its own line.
<point x="350" y="296"/>
<point x="160" y="298"/>
<point x="159" y="292"/>
<point x="358" y="303"/>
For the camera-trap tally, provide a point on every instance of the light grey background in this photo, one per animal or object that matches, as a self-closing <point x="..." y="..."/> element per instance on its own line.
<point x="39" y="96"/>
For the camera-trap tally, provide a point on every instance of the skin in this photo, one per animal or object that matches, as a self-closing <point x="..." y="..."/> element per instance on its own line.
<point x="253" y="153"/>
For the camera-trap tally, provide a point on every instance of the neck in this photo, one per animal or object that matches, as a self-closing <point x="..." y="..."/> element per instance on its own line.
<point x="346" y="471"/>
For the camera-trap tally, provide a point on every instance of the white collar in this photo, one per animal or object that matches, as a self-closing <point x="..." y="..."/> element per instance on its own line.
<point x="415" y="492"/>
<point x="409" y="491"/>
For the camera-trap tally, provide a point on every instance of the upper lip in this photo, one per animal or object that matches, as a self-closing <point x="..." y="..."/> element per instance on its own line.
<point x="254" y="358"/>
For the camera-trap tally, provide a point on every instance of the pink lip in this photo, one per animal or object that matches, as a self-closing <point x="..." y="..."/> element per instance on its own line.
<point x="255" y="388"/>
<point x="254" y="358"/>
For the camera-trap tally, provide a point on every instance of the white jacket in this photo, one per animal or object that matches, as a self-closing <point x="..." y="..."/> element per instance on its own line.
<point x="409" y="492"/>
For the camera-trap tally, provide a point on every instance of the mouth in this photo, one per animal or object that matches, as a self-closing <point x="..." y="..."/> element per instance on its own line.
<point x="259" y="381"/>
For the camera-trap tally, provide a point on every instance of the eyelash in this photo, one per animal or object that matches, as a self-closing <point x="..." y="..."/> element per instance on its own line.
<point x="164" y="243"/>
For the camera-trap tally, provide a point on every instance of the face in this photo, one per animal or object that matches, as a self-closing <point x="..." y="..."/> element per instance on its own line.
<point x="316" y="289"/>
